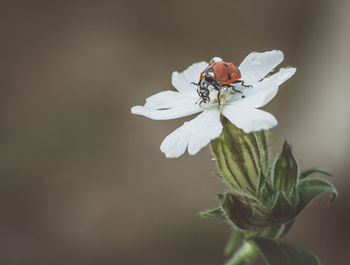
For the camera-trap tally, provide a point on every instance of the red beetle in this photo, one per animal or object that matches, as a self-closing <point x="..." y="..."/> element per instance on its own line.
<point x="218" y="75"/>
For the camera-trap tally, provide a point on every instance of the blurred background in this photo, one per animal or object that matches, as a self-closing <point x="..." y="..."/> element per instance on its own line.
<point x="82" y="181"/>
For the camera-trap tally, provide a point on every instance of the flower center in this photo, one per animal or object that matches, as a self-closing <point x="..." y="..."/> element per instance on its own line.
<point x="216" y="97"/>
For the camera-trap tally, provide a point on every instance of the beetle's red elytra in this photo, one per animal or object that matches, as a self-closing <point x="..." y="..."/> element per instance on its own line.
<point x="224" y="73"/>
<point x="216" y="76"/>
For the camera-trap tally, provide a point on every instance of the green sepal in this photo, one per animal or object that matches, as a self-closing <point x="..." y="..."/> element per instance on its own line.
<point x="220" y="196"/>
<point x="244" y="212"/>
<point x="285" y="173"/>
<point x="238" y="157"/>
<point x="265" y="192"/>
<point x="270" y="136"/>
<point x="218" y="174"/>
<point x="308" y="189"/>
<point x="216" y="212"/>
<point x="283" y="209"/>
<point x="264" y="156"/>
<point x="276" y="252"/>
<point x="310" y="171"/>
<point x="235" y="240"/>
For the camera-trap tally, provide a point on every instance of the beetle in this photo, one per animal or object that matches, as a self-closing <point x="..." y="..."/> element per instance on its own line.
<point x="218" y="75"/>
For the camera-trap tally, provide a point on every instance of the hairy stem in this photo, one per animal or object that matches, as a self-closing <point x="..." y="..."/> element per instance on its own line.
<point x="244" y="255"/>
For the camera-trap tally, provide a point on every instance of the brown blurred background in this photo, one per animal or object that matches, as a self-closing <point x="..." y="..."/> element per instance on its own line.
<point x="83" y="181"/>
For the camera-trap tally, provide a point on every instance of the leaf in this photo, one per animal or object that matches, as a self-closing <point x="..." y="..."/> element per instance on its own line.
<point x="235" y="239"/>
<point x="310" y="171"/>
<point x="276" y="252"/>
<point x="216" y="212"/>
<point x="285" y="171"/>
<point x="308" y="189"/>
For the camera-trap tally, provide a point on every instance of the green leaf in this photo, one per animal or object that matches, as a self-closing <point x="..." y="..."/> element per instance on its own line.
<point x="308" y="189"/>
<point x="235" y="239"/>
<point x="216" y="212"/>
<point x="276" y="252"/>
<point x="310" y="171"/>
<point x="285" y="171"/>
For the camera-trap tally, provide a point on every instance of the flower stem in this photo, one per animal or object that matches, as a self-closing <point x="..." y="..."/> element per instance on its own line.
<point x="243" y="256"/>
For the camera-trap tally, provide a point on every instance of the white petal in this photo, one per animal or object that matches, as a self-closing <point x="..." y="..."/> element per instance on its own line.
<point x="207" y="128"/>
<point x="257" y="96"/>
<point x="262" y="92"/>
<point x="258" y="64"/>
<point x="166" y="114"/>
<point x="182" y="81"/>
<point x="281" y="76"/>
<point x="167" y="99"/>
<point x="249" y="120"/>
<point x="194" y="134"/>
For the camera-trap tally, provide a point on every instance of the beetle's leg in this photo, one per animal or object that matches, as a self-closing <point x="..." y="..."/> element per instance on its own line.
<point x="233" y="88"/>
<point x="218" y="96"/>
<point x="242" y="83"/>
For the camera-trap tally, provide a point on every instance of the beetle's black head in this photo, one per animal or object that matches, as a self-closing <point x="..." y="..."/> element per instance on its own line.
<point x="203" y="90"/>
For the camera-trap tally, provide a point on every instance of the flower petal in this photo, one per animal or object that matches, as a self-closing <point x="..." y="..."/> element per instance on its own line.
<point x="194" y="134"/>
<point x="182" y="81"/>
<point x="167" y="114"/>
<point x="207" y="128"/>
<point x="255" y="97"/>
<point x="262" y="92"/>
<point x="258" y="64"/>
<point x="167" y="99"/>
<point x="281" y="76"/>
<point x="249" y="120"/>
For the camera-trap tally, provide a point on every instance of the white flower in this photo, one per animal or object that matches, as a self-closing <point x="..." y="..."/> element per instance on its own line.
<point x="242" y="112"/>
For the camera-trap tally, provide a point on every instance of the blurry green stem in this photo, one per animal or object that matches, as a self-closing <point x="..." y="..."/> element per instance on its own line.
<point x="244" y="255"/>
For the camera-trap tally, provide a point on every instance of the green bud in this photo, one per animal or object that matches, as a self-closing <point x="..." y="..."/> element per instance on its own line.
<point x="244" y="212"/>
<point x="286" y="171"/>
<point x="283" y="209"/>
<point x="239" y="157"/>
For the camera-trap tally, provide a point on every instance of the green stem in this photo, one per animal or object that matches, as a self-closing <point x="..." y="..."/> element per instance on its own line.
<point x="235" y="239"/>
<point x="244" y="256"/>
